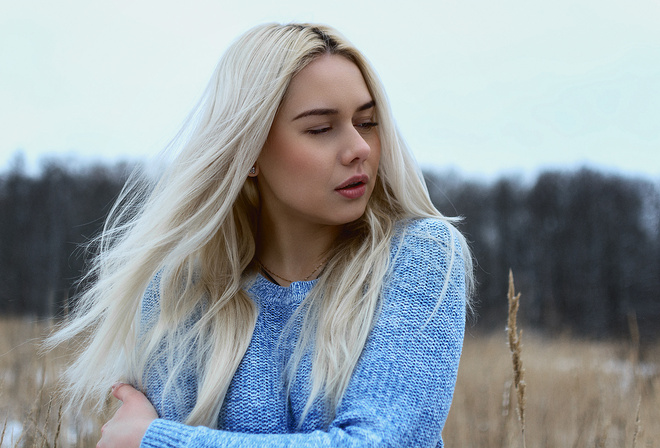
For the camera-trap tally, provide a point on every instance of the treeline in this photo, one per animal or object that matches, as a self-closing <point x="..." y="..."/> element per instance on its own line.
<point x="584" y="246"/>
<point x="45" y="222"/>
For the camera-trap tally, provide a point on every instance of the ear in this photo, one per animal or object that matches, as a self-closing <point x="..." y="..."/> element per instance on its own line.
<point x="254" y="171"/>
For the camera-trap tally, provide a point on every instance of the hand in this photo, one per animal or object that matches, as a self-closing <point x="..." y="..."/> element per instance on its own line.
<point x="130" y="422"/>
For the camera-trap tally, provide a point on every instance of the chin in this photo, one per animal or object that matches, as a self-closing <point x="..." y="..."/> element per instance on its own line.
<point x="350" y="217"/>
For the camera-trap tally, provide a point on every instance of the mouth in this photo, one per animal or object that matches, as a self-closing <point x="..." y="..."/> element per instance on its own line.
<point x="351" y="185"/>
<point x="354" y="182"/>
<point x="354" y="187"/>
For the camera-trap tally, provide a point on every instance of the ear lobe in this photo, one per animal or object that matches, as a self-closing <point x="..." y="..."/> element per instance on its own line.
<point x="254" y="171"/>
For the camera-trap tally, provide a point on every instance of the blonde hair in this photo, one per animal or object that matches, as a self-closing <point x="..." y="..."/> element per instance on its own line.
<point x="196" y="226"/>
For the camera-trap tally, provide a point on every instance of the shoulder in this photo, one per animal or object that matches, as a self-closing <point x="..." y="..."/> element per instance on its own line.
<point x="427" y="263"/>
<point x="426" y="236"/>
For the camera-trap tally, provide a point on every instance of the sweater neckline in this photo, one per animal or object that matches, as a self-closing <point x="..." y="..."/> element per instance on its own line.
<point x="267" y="293"/>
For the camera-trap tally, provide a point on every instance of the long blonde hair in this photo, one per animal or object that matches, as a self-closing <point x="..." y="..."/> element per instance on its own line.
<point x="196" y="227"/>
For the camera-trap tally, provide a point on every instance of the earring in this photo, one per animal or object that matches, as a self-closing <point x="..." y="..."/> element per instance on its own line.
<point x="253" y="170"/>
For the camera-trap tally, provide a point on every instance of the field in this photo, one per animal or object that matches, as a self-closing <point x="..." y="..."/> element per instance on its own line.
<point x="579" y="394"/>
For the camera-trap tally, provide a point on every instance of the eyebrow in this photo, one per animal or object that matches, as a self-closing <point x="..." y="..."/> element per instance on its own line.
<point x="310" y="112"/>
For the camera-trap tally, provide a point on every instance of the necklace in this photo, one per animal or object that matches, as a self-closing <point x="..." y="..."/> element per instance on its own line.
<point x="292" y="281"/>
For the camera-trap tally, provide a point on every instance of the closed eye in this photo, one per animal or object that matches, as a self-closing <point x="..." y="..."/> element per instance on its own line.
<point x="366" y="127"/>
<point x="318" y="130"/>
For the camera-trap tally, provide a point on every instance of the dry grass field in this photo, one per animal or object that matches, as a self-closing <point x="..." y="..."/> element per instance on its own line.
<point x="579" y="394"/>
<point x="29" y="414"/>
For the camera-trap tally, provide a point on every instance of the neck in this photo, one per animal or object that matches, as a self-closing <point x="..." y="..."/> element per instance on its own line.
<point x="294" y="252"/>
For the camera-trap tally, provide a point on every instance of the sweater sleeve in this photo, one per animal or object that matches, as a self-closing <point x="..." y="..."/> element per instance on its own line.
<point x="402" y="387"/>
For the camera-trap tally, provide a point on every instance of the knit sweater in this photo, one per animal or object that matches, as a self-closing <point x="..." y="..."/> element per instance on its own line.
<point x="400" y="391"/>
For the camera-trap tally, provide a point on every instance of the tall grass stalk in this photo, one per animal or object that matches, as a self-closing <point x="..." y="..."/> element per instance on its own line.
<point x="638" y="425"/>
<point x="4" y="429"/>
<point x="515" y="346"/>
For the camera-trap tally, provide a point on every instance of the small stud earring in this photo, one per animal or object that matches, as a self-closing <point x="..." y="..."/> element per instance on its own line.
<point x="253" y="170"/>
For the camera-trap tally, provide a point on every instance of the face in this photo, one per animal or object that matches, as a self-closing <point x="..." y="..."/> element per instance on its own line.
<point x="320" y="161"/>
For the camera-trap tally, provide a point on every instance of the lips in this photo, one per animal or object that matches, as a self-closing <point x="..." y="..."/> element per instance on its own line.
<point x="353" y="181"/>
<point x="354" y="187"/>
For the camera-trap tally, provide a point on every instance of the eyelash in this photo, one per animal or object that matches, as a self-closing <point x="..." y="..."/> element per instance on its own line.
<point x="318" y="131"/>
<point x="362" y="127"/>
<point x="366" y="127"/>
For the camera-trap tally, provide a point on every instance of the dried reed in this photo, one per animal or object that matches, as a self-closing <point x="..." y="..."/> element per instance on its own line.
<point x="59" y="427"/>
<point x="4" y="429"/>
<point x="515" y="346"/>
<point x="638" y="425"/>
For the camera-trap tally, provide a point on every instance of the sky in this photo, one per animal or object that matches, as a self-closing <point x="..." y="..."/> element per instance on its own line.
<point x="481" y="87"/>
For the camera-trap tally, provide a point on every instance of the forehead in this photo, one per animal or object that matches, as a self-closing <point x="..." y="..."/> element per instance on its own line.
<point x="328" y="81"/>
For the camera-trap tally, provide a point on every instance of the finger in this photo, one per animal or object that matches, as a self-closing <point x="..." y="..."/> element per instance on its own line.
<point x="121" y="391"/>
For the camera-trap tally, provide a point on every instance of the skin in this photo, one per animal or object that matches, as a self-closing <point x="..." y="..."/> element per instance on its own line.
<point x="130" y="422"/>
<point x="323" y="135"/>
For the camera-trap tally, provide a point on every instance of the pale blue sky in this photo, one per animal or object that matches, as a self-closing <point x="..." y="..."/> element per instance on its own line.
<point x="484" y="87"/>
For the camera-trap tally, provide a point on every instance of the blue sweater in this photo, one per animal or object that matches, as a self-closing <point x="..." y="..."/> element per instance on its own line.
<point x="400" y="392"/>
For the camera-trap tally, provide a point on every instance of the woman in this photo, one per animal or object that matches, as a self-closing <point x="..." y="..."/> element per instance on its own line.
<point x="301" y="289"/>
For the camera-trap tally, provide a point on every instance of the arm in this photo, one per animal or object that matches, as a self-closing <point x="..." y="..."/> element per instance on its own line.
<point x="401" y="389"/>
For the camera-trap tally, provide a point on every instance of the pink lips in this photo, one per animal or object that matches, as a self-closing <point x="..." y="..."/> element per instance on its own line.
<point x="353" y="187"/>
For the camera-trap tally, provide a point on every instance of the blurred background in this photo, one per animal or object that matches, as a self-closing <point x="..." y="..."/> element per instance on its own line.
<point x="537" y="122"/>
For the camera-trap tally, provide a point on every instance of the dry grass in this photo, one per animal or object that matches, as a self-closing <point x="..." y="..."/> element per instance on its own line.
<point x="30" y="413"/>
<point x="580" y="394"/>
<point x="595" y="394"/>
<point x="515" y="347"/>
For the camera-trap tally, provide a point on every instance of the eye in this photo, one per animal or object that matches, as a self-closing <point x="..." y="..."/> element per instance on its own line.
<point x="366" y="127"/>
<point x="317" y="131"/>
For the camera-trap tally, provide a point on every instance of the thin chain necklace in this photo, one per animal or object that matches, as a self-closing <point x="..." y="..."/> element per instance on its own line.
<point x="292" y="281"/>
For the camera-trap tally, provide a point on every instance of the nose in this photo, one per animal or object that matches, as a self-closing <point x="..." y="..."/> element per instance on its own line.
<point x="355" y="148"/>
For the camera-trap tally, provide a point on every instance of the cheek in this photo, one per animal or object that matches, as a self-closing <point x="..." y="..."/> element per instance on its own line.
<point x="375" y="150"/>
<point x="301" y="154"/>
<point x="294" y="159"/>
<point x="302" y="160"/>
